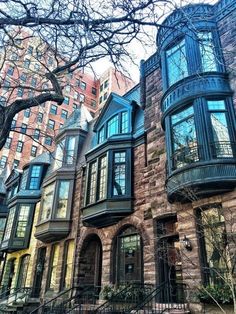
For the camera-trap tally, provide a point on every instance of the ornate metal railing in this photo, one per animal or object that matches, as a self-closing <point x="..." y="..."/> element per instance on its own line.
<point x="186" y="155"/>
<point x="15" y="296"/>
<point x="223" y="149"/>
<point x="69" y="299"/>
<point x="125" y="299"/>
<point x="165" y="297"/>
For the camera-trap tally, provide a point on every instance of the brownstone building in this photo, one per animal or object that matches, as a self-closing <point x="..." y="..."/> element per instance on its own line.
<point x="138" y="206"/>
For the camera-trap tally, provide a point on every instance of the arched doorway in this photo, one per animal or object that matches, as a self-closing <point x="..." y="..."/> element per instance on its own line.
<point x="128" y="257"/>
<point x="90" y="263"/>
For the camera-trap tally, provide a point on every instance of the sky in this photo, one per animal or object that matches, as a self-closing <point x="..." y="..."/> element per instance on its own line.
<point x="140" y="52"/>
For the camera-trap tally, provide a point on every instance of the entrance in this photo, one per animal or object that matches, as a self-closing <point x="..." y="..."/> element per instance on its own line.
<point x="9" y="274"/>
<point x="169" y="261"/>
<point x="39" y="272"/>
<point x="90" y="264"/>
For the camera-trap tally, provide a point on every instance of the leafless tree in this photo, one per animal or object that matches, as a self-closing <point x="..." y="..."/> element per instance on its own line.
<point x="67" y="36"/>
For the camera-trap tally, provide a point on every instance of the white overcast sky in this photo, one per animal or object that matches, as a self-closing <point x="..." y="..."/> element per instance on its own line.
<point x="138" y="51"/>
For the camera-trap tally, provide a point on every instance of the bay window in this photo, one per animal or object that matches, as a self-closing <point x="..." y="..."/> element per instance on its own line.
<point x="108" y="179"/>
<point x="55" y="200"/>
<point x="176" y="63"/>
<point x="118" y="124"/>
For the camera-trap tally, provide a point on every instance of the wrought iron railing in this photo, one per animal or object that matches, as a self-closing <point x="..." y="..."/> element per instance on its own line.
<point x="162" y="299"/>
<point x="186" y="155"/>
<point x="223" y="149"/>
<point x="125" y="299"/>
<point x="14" y="297"/>
<point x="69" y="299"/>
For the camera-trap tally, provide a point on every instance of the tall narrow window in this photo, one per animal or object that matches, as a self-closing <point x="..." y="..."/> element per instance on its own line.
<point x="70" y="150"/>
<point x="63" y="195"/>
<point x="67" y="266"/>
<point x="221" y="146"/>
<point x="214" y="245"/>
<point x="112" y="126"/>
<point x="47" y="201"/>
<point x="206" y="46"/>
<point x="101" y="135"/>
<point x="184" y="140"/>
<point x="176" y="63"/>
<point x="24" y="211"/>
<point x="102" y="174"/>
<point x="119" y="173"/>
<point x="9" y="223"/>
<point x="2" y="226"/>
<point x="59" y="155"/>
<point x="91" y="196"/>
<point x="124" y="122"/>
<point x="22" y="275"/>
<point x="53" y="267"/>
<point x="35" y="178"/>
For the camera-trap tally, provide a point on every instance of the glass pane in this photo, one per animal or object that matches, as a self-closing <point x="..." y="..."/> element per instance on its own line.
<point x="34" y="179"/>
<point x="216" y="104"/>
<point x="124" y="122"/>
<point x="10" y="220"/>
<point x="47" y="201"/>
<point x="221" y="137"/>
<point x="112" y="126"/>
<point x="176" y="63"/>
<point x="69" y="264"/>
<point x="70" y="151"/>
<point x="22" y="221"/>
<point x="101" y="135"/>
<point x="59" y="155"/>
<point x="92" y="183"/>
<point x="23" y="271"/>
<point x="61" y="210"/>
<point x="119" y="174"/>
<point x="129" y="258"/>
<point x="215" y="244"/>
<point x="53" y="267"/>
<point x="184" y="140"/>
<point x="181" y="115"/>
<point x="102" y="177"/>
<point x="2" y="226"/>
<point x="207" y="51"/>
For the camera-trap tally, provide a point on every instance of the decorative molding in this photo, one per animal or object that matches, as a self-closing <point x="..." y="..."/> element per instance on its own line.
<point x="151" y="64"/>
<point x="195" y="86"/>
<point x="224" y="7"/>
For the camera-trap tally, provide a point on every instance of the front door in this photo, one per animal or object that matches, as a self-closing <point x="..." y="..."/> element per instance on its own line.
<point x="39" y="272"/>
<point x="169" y="260"/>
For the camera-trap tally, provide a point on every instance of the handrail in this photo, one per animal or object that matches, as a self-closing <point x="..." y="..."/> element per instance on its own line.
<point x="52" y="300"/>
<point x="5" y="292"/>
<point x="132" y="294"/>
<point x="162" y="299"/>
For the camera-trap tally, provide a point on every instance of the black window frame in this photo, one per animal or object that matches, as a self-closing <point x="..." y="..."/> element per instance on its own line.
<point x="20" y="146"/>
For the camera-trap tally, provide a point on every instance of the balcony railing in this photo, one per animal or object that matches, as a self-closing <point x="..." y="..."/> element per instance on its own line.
<point x="185" y="156"/>
<point x="223" y="149"/>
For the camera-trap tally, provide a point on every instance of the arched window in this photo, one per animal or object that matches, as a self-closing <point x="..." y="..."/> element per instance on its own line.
<point x="128" y="257"/>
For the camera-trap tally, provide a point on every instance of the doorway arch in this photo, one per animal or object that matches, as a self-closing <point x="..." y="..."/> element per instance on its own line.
<point x="90" y="262"/>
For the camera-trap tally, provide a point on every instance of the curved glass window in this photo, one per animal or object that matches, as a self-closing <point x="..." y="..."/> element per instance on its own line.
<point x="184" y="140"/>
<point x="221" y="145"/>
<point x="176" y="63"/>
<point x="207" y="52"/>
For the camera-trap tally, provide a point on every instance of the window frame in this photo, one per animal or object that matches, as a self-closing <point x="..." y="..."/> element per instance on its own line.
<point x="30" y="176"/>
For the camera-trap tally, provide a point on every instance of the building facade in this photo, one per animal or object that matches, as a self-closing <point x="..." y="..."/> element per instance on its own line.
<point x="144" y="194"/>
